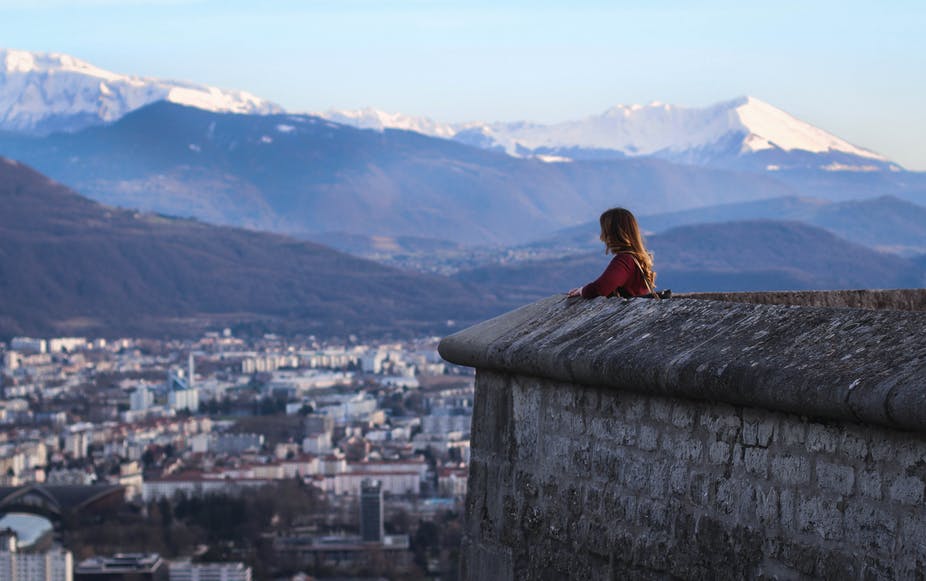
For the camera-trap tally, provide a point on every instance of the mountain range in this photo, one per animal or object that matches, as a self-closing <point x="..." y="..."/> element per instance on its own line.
<point x="130" y="143"/>
<point x="47" y="92"/>
<point x="743" y="133"/>
<point x="302" y="175"/>
<point x="748" y="255"/>
<point x="69" y="265"/>
<point x="886" y="223"/>
<point x="736" y="196"/>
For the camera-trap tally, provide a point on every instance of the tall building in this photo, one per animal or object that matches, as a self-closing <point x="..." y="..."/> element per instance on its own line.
<point x="141" y="399"/>
<point x="371" y="511"/>
<point x="11" y="360"/>
<point x="54" y="563"/>
<point x="181" y="395"/>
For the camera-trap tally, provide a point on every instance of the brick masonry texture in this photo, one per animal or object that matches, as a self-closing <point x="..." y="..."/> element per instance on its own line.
<point x="586" y="469"/>
<point x="574" y="482"/>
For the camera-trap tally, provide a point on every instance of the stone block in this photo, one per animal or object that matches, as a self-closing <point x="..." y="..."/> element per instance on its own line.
<point x="701" y="491"/>
<point x="870" y="528"/>
<point x="820" y="516"/>
<point x="767" y="507"/>
<point x="652" y="514"/>
<point x="834" y="477"/>
<point x="911" y="456"/>
<point x="619" y="507"/>
<point x="758" y="428"/>
<point x="791" y="470"/>
<point x="633" y="473"/>
<point x="822" y="438"/>
<point x="869" y="484"/>
<point x="723" y="421"/>
<point x="616" y="431"/>
<point x="719" y="453"/>
<point x="660" y="410"/>
<point x="682" y="415"/>
<point x="658" y="482"/>
<point x="792" y="431"/>
<point x="854" y="444"/>
<point x="635" y="408"/>
<point x="907" y="490"/>
<point x="678" y="478"/>
<point x="648" y="438"/>
<point x="755" y="461"/>
<point x="787" y="506"/>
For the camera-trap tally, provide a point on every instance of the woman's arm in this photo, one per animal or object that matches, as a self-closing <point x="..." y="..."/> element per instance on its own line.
<point x="617" y="274"/>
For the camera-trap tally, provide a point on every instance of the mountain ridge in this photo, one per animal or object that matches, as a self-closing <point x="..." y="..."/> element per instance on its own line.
<point x="47" y="92"/>
<point x="701" y="135"/>
<point x="751" y="255"/>
<point x="71" y="265"/>
<point x="304" y="175"/>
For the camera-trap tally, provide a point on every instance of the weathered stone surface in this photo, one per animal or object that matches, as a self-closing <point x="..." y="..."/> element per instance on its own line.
<point x="648" y="496"/>
<point x="842" y="364"/>
<point x="878" y="300"/>
<point x="726" y="442"/>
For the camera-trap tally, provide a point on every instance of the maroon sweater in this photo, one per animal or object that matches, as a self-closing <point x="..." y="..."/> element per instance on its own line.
<point x="622" y="272"/>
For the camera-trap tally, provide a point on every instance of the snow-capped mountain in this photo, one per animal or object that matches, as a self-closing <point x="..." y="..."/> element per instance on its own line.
<point x="370" y="118"/>
<point x="743" y="128"/>
<point x="46" y="92"/>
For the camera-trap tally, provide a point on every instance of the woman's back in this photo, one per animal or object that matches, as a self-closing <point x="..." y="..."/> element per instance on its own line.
<point x="622" y="276"/>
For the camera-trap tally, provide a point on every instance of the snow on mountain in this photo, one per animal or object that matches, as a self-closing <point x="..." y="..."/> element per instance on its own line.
<point x="46" y="92"/>
<point x="370" y="118"/>
<point x="738" y="127"/>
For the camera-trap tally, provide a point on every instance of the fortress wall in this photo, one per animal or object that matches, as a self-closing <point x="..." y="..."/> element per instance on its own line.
<point x="696" y="439"/>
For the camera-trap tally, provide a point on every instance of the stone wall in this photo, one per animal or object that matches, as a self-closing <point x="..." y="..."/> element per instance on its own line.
<point x="695" y="439"/>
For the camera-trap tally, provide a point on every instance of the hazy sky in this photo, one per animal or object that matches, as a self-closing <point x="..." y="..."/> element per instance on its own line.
<point x="855" y="69"/>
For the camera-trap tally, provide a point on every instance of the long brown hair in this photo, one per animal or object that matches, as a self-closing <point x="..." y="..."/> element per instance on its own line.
<point x="621" y="234"/>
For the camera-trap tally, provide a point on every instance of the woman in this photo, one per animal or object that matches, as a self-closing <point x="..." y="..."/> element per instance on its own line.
<point x="630" y="272"/>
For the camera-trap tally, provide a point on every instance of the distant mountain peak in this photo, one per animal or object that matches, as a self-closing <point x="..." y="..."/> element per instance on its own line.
<point x="47" y="92"/>
<point x="738" y="127"/>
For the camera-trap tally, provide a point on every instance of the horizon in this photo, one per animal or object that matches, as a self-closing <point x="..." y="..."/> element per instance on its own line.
<point x="845" y="68"/>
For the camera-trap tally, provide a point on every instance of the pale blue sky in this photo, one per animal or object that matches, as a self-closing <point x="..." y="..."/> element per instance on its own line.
<point x="856" y="69"/>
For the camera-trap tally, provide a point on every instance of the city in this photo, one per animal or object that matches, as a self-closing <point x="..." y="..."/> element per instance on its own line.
<point x="267" y="456"/>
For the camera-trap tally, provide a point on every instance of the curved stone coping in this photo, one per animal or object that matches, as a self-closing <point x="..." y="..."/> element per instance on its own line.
<point x="913" y="299"/>
<point x="845" y="364"/>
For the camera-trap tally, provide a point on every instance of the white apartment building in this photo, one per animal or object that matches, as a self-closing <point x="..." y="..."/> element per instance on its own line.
<point x="69" y="344"/>
<point x="141" y="399"/>
<point x="209" y="572"/>
<point x="55" y="564"/>
<point x="372" y="362"/>
<point x="76" y="443"/>
<point x="183" y="399"/>
<point x="268" y="363"/>
<point x="11" y="361"/>
<point x="29" y="345"/>
<point x="395" y="483"/>
<point x="317" y="443"/>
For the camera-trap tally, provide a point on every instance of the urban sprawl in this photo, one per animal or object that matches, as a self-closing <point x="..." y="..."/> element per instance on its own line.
<point x="241" y="458"/>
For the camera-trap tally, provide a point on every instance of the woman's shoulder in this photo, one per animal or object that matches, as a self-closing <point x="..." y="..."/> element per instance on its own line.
<point x="623" y="258"/>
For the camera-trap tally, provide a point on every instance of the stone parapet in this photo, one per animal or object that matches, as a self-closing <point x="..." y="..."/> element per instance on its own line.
<point x="696" y="439"/>
<point x="845" y="364"/>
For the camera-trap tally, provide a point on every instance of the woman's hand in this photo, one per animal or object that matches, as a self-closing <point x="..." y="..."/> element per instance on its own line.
<point x="576" y="292"/>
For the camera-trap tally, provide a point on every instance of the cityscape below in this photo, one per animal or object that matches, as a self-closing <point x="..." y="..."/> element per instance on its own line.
<point x="231" y="458"/>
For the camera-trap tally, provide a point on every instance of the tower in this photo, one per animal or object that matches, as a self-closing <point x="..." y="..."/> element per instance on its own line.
<point x="371" y="511"/>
